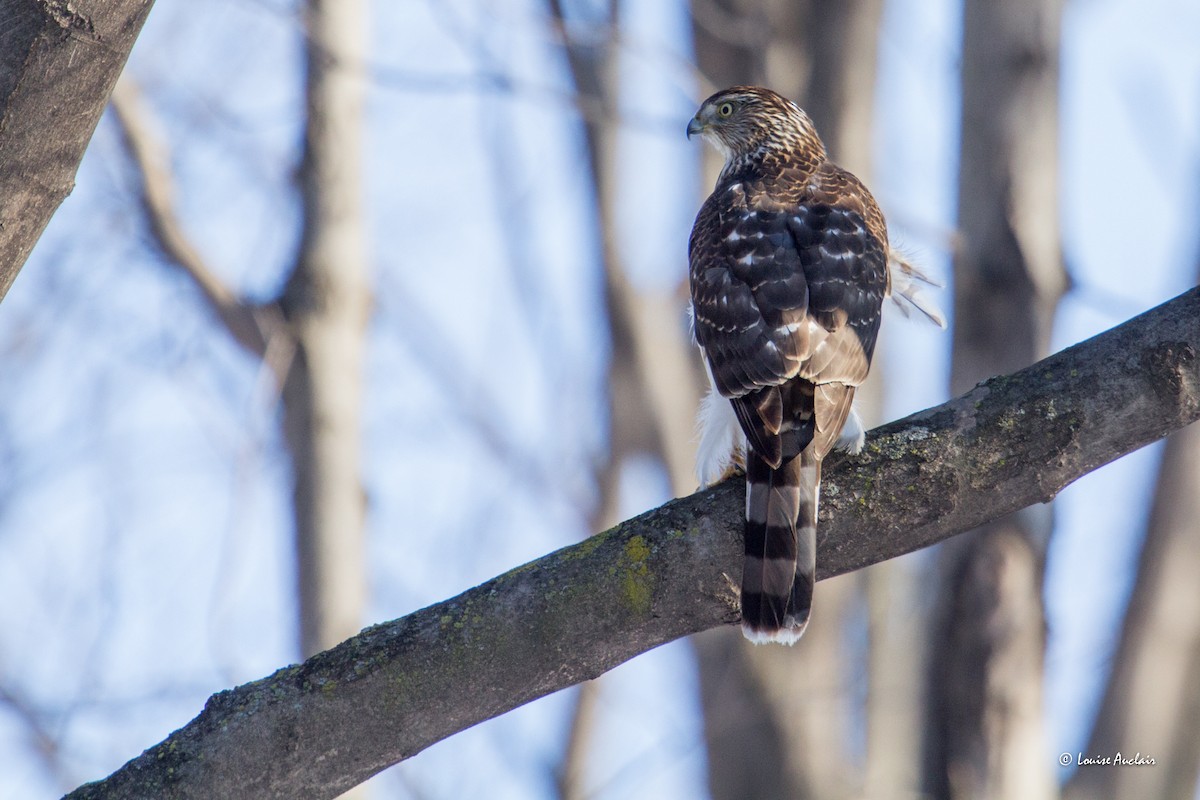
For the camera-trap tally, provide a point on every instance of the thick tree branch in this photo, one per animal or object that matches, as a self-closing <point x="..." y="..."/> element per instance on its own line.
<point x="314" y="730"/>
<point x="58" y="63"/>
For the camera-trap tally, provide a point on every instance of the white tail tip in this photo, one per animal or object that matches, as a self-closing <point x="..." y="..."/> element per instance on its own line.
<point x="788" y="636"/>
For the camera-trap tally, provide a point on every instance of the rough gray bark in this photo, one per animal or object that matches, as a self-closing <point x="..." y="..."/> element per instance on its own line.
<point x="58" y="64"/>
<point x="326" y="304"/>
<point x="985" y="731"/>
<point x="313" y="730"/>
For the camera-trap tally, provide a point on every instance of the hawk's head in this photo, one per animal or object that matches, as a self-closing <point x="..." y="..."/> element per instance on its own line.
<point x="746" y="120"/>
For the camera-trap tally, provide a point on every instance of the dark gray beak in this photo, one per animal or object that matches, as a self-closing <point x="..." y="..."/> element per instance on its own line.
<point x="695" y="126"/>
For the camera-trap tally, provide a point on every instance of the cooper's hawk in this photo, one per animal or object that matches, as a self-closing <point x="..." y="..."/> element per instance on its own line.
<point x="788" y="272"/>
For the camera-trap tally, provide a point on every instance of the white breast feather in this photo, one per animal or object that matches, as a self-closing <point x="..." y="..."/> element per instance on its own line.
<point x="721" y="436"/>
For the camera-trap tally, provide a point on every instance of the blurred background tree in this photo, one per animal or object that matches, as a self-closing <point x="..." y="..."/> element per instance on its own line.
<point x="984" y="734"/>
<point x="342" y="285"/>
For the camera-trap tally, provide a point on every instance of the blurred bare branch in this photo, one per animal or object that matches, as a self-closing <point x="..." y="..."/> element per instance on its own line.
<point x="420" y="334"/>
<point x="493" y="77"/>
<point x="580" y="733"/>
<point x="406" y="80"/>
<point x="251" y="326"/>
<point x="42" y="737"/>
<point x="653" y="396"/>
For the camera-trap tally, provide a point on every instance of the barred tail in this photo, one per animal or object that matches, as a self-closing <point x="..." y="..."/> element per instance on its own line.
<point x="781" y="548"/>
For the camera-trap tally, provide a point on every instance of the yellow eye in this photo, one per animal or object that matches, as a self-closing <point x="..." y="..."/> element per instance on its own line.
<point x="725" y="110"/>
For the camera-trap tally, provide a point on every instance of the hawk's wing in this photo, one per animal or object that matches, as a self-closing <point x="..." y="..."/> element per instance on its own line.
<point x="785" y="291"/>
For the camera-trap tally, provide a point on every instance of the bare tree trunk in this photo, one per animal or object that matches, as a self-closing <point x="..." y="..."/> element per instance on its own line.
<point x="1008" y="274"/>
<point x="748" y="753"/>
<point x="985" y="737"/>
<point x="731" y="39"/>
<point x="842" y="38"/>
<point x="896" y="637"/>
<point x="326" y="304"/>
<point x="1151" y="703"/>
<point x="820" y="53"/>
<point x="986" y="670"/>
<point x="777" y="722"/>
<point x="592" y="70"/>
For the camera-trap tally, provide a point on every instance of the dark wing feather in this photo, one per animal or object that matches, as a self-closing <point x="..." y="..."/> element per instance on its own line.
<point x="747" y="285"/>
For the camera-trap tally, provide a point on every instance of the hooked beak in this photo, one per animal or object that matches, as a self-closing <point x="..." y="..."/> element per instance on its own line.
<point x="695" y="126"/>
